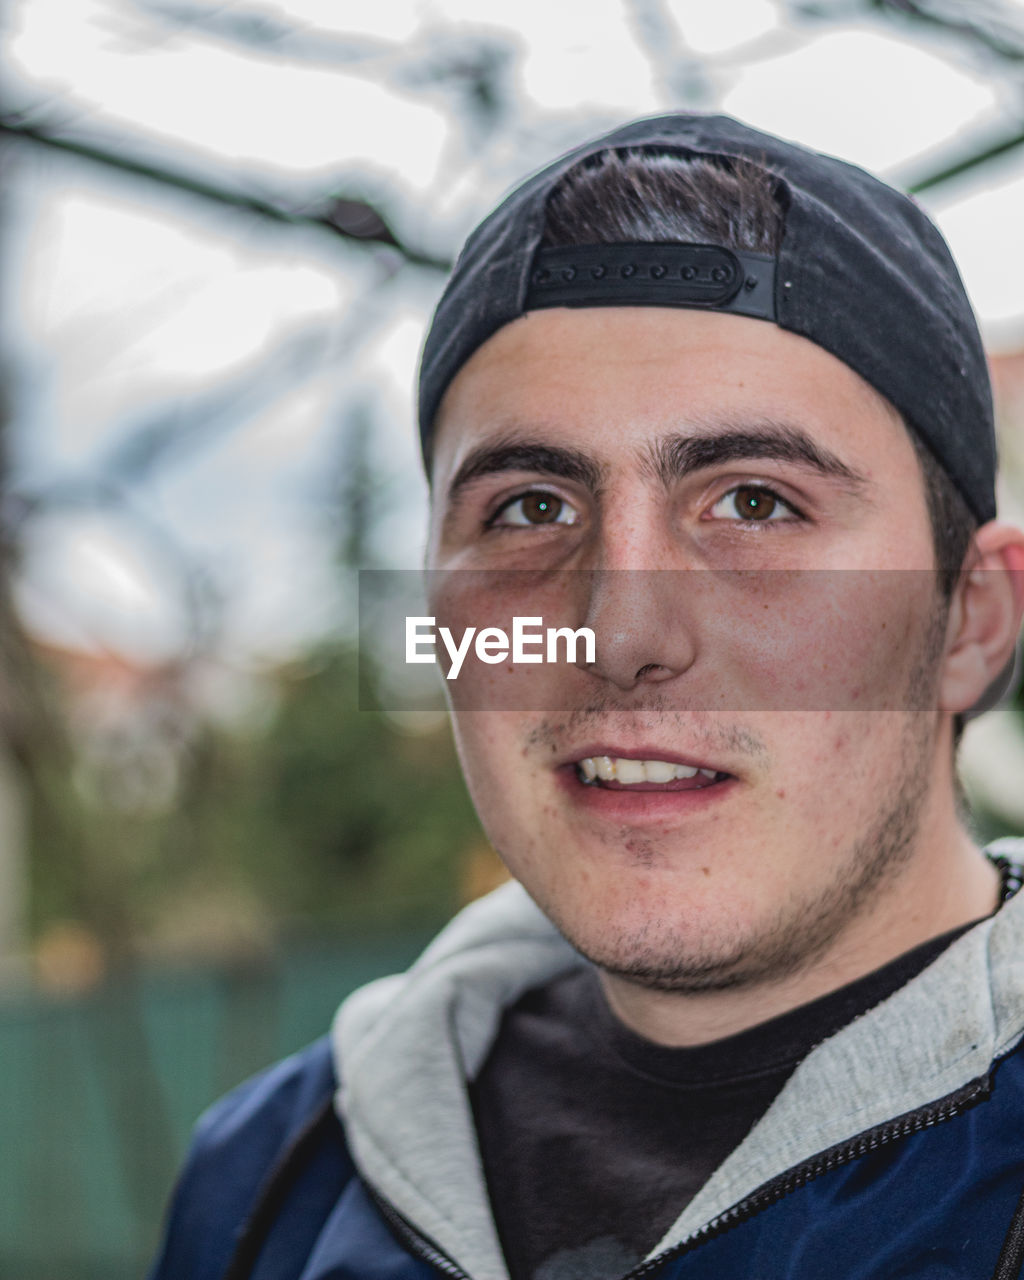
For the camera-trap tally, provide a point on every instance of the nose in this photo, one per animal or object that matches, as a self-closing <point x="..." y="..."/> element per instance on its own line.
<point x="643" y="624"/>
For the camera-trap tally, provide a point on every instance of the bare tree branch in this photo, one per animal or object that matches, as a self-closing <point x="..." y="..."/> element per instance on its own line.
<point x="471" y="66"/>
<point x="350" y="218"/>
<point x="987" y="27"/>
<point x="972" y="160"/>
<point x="266" y="34"/>
<point x="682" y="74"/>
<point x="986" y="24"/>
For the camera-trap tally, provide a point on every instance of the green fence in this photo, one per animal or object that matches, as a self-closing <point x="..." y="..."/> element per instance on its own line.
<point x="98" y="1095"/>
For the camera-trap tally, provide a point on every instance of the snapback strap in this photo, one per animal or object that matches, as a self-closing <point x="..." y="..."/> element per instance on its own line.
<point x="705" y="276"/>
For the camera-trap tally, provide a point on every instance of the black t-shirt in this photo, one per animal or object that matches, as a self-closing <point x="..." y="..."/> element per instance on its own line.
<point x="594" y="1139"/>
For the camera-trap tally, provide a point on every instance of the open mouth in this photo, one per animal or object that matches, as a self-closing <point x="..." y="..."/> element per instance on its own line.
<point x="619" y="773"/>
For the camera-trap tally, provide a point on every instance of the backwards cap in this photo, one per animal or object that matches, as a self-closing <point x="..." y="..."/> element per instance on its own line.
<point x="860" y="271"/>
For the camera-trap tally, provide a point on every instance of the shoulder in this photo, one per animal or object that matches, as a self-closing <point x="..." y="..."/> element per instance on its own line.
<point x="259" y="1116"/>
<point x="238" y="1145"/>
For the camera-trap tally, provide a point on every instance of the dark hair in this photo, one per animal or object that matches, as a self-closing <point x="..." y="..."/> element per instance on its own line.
<point x="651" y="197"/>
<point x="643" y="196"/>
<point x="953" y="522"/>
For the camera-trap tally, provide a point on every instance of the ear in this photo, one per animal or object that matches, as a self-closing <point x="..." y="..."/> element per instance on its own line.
<point x="984" y="616"/>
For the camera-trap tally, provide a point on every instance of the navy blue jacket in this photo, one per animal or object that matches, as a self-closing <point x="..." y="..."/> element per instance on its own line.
<point x="933" y="1192"/>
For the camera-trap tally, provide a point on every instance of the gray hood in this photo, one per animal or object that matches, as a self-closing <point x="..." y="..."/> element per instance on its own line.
<point x="404" y="1047"/>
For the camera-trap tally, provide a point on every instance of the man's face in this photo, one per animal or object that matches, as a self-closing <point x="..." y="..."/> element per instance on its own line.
<point x="632" y="440"/>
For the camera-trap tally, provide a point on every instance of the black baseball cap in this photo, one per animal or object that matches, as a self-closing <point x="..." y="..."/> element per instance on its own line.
<point x="861" y="271"/>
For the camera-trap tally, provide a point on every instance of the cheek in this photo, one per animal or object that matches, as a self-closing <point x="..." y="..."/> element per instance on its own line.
<point x="837" y="640"/>
<point x="504" y="758"/>
<point x="836" y="771"/>
<point x="494" y="764"/>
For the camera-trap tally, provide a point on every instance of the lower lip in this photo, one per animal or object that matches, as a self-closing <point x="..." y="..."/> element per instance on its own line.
<point x="630" y="804"/>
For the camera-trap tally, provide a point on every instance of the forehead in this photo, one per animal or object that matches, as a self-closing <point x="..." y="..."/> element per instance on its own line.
<point x="606" y="380"/>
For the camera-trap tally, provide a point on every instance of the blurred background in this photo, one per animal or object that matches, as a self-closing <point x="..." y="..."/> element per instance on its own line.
<point x="222" y="230"/>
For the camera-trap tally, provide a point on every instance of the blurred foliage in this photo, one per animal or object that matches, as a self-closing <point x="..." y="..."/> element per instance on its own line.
<point x="317" y="814"/>
<point x="331" y="813"/>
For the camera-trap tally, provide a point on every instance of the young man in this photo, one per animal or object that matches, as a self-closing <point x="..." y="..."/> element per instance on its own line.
<point x="752" y="1007"/>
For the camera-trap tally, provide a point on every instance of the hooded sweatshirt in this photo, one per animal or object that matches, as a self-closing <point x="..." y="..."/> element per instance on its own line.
<point x="895" y="1149"/>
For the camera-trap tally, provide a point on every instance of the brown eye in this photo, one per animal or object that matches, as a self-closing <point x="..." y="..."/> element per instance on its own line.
<point x="755" y="504"/>
<point x="534" y="509"/>
<point x="541" y="508"/>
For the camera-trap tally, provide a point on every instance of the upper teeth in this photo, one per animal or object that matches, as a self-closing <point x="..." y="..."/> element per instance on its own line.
<point x="619" y="769"/>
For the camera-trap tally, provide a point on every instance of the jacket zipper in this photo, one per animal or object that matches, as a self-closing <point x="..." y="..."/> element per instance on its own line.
<point x="768" y="1194"/>
<point x="416" y="1243"/>
<point x="843" y="1153"/>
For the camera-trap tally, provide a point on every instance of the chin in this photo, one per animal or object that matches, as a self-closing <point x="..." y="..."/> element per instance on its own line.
<point x="667" y="959"/>
<point x="704" y="941"/>
<point x="708" y="932"/>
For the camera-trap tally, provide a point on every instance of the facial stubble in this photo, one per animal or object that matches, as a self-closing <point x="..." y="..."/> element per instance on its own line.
<point x="658" y="956"/>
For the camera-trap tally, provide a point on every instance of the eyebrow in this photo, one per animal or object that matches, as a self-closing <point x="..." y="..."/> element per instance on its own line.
<point x="669" y="459"/>
<point x="526" y="455"/>
<point x="677" y="456"/>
